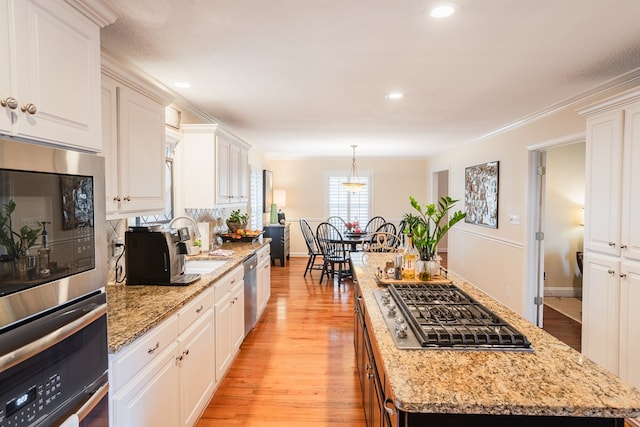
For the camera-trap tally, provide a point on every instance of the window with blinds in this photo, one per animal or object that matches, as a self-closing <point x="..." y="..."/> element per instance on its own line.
<point x="255" y="199"/>
<point x="349" y="206"/>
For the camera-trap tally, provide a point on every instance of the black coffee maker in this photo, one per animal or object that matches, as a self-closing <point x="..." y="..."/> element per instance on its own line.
<point x="155" y="257"/>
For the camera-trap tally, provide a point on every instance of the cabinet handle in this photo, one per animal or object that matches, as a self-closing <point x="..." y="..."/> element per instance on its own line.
<point x="391" y="410"/>
<point x="612" y="244"/>
<point x="612" y="272"/>
<point x="199" y="309"/>
<point x="179" y="358"/>
<point x="152" y="349"/>
<point x="369" y="376"/>
<point x="127" y="198"/>
<point x="623" y="246"/>
<point x="186" y="352"/>
<point x="9" y="102"/>
<point x="117" y="199"/>
<point x="623" y="275"/>
<point x="29" y="108"/>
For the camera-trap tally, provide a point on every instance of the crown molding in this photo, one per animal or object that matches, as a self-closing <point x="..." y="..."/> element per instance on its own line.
<point x="100" y="12"/>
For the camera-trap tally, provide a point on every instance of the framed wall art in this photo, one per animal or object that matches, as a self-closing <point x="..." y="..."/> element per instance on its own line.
<point x="481" y="194"/>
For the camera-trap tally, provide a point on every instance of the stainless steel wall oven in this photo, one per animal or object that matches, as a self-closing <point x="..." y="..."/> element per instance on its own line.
<point x="53" y="254"/>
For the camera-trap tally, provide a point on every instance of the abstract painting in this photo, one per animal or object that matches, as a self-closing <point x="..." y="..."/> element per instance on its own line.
<point x="481" y="194"/>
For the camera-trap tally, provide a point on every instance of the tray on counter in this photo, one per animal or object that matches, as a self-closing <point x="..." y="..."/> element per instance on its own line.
<point x="435" y="280"/>
<point x="235" y="238"/>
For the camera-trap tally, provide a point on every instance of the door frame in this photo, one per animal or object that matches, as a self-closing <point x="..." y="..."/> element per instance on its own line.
<point x="535" y="208"/>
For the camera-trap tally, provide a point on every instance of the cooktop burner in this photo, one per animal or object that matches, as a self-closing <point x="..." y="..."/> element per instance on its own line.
<point x="423" y="316"/>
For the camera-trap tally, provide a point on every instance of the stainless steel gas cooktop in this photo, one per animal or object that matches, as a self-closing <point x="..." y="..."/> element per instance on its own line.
<point x="424" y="316"/>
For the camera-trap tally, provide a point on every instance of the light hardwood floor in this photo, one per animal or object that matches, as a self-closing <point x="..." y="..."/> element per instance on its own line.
<point x="297" y="367"/>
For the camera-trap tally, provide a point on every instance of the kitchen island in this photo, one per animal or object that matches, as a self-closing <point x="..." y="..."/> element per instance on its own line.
<point x="553" y="385"/>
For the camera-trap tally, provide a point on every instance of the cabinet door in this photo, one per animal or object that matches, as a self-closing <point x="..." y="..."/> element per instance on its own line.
<point x="58" y="58"/>
<point x="237" y="317"/>
<point x="264" y="283"/>
<point x="141" y="137"/>
<point x="630" y="323"/>
<point x="223" y="335"/>
<point x="600" y="310"/>
<point x="198" y="168"/>
<point x="603" y="183"/>
<point x="223" y="151"/>
<point x="110" y="143"/>
<point x="153" y="398"/>
<point x="243" y="176"/>
<point x="630" y="240"/>
<point x="197" y="369"/>
<point x="7" y="87"/>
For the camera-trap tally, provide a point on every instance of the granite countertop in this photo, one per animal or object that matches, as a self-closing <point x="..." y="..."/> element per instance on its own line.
<point x="554" y="380"/>
<point x="134" y="310"/>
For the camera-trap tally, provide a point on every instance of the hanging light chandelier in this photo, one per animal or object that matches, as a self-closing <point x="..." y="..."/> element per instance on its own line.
<point x="353" y="185"/>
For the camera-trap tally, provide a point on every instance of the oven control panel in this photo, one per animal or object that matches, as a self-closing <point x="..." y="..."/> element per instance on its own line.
<point x="33" y="401"/>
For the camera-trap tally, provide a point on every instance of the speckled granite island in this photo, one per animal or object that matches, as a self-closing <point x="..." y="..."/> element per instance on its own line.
<point x="552" y="386"/>
<point x="134" y="310"/>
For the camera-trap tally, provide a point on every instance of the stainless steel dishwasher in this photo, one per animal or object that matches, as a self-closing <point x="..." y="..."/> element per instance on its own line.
<point x="250" y="293"/>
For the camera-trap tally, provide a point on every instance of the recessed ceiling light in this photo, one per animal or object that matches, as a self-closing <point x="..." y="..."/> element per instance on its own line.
<point x="182" y="85"/>
<point x="394" y="95"/>
<point x="443" y="10"/>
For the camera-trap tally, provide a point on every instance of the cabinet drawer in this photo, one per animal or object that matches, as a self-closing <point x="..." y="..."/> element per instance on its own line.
<point x="195" y="309"/>
<point x="130" y="361"/>
<point x="231" y="279"/>
<point x="264" y="254"/>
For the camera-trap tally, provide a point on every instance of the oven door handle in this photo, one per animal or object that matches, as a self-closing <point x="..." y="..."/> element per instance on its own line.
<point x="23" y="353"/>
<point x="91" y="403"/>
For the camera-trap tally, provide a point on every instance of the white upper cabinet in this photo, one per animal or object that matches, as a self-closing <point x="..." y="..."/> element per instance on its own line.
<point x="133" y="132"/>
<point x="613" y="178"/>
<point x="50" y="74"/>
<point x="630" y="241"/>
<point x="215" y="167"/>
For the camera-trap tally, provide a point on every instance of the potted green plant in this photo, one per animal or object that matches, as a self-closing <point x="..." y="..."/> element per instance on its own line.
<point x="426" y="226"/>
<point x="16" y="243"/>
<point x="237" y="221"/>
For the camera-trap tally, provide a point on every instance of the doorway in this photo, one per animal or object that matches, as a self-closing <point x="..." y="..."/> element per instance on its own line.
<point x="556" y="206"/>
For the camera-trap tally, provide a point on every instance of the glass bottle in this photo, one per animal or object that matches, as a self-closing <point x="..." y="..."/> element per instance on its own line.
<point x="409" y="258"/>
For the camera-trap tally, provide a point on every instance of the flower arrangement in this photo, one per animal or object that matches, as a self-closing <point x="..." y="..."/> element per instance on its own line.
<point x="355" y="226"/>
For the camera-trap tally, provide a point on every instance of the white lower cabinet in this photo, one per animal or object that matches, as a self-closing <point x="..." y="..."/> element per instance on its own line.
<point x="264" y="278"/>
<point x="197" y="373"/>
<point x="611" y="319"/>
<point x="229" y="319"/>
<point x="630" y="322"/>
<point x="167" y="376"/>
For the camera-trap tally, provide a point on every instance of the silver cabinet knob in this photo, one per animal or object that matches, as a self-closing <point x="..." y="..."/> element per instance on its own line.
<point x="9" y="102"/>
<point x="29" y="108"/>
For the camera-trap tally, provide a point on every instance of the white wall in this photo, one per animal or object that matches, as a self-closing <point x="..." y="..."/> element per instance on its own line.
<point x="394" y="180"/>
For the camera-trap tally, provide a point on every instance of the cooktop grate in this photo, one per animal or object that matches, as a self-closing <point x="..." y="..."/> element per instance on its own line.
<point x="444" y="316"/>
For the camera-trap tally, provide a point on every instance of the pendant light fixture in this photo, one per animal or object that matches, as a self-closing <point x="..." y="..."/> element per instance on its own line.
<point x="353" y="185"/>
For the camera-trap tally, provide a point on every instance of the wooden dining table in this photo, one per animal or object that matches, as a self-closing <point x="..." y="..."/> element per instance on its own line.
<point x="354" y="239"/>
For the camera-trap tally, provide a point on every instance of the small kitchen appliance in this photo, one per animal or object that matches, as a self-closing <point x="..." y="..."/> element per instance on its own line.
<point x="157" y="257"/>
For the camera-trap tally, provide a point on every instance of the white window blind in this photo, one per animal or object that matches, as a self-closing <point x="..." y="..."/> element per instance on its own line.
<point x="255" y="199"/>
<point x="349" y="206"/>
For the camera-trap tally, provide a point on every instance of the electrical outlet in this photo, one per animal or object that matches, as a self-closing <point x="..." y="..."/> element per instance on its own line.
<point x="118" y="246"/>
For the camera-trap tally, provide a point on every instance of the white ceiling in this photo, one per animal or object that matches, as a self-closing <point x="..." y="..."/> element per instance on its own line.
<point x="309" y="77"/>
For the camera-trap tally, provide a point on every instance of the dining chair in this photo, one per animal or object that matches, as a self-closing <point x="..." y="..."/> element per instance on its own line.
<point x="373" y="224"/>
<point x="387" y="227"/>
<point x="380" y="242"/>
<point x="338" y="223"/>
<point x="312" y="247"/>
<point x="334" y="252"/>
<point x="401" y="235"/>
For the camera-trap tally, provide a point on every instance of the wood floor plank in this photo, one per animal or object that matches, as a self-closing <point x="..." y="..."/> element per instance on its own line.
<point x="297" y="367"/>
